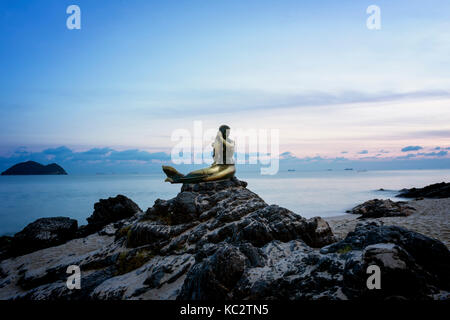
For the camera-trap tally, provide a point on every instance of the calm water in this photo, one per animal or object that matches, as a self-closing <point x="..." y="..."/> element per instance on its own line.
<point x="23" y="199"/>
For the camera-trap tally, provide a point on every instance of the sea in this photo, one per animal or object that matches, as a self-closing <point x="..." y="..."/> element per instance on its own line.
<point x="24" y="199"/>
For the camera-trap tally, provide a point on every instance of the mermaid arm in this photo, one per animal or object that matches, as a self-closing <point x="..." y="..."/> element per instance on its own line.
<point x="227" y="143"/>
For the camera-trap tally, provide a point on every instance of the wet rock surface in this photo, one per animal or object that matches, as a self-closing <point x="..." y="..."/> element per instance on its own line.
<point x="43" y="233"/>
<point x="111" y="210"/>
<point x="219" y="240"/>
<point x="378" y="208"/>
<point x="437" y="190"/>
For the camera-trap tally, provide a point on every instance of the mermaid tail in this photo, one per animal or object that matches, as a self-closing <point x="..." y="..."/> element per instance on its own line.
<point x="215" y="172"/>
<point x="173" y="175"/>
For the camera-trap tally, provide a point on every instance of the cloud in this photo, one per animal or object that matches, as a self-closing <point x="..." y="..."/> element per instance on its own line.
<point x="437" y="148"/>
<point x="64" y="155"/>
<point x="137" y="155"/>
<point x="344" y="152"/>
<point x="287" y="155"/>
<point x="98" y="151"/>
<point x="249" y="99"/>
<point x="405" y="157"/>
<point x="92" y="154"/>
<point x="363" y="152"/>
<point x="21" y="151"/>
<point x="431" y="134"/>
<point x="411" y="148"/>
<point x="58" y="151"/>
<point x="434" y="154"/>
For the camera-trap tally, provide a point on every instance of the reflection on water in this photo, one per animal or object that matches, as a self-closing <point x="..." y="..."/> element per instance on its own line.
<point x="23" y="199"/>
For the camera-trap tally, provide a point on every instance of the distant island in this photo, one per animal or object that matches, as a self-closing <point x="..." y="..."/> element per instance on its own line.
<point x="33" y="168"/>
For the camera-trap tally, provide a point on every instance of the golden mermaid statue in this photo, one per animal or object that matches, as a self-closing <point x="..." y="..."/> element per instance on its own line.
<point x="222" y="167"/>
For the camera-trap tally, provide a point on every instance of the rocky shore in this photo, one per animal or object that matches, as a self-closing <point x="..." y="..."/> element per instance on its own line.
<point x="430" y="217"/>
<point x="436" y="191"/>
<point x="218" y="241"/>
<point x="428" y="213"/>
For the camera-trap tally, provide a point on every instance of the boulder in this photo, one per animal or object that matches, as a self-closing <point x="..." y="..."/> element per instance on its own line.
<point x="43" y="233"/>
<point x="437" y="190"/>
<point x="110" y="210"/>
<point x="5" y="247"/>
<point x="320" y="232"/>
<point x="223" y="211"/>
<point x="215" y="277"/>
<point x="378" y="208"/>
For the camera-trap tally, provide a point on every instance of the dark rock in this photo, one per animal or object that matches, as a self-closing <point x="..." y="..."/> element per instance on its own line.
<point x="294" y="271"/>
<point x="155" y="234"/>
<point x="5" y="247"/>
<point x="43" y="233"/>
<point x="214" y="186"/>
<point x="223" y="211"/>
<point x="110" y="210"/>
<point x="181" y="209"/>
<point x="215" y="277"/>
<point x="319" y="232"/>
<point x="57" y="291"/>
<point x="34" y="168"/>
<point x="276" y="223"/>
<point x="431" y="254"/>
<point x="378" y="208"/>
<point x="255" y="256"/>
<point x="437" y="190"/>
<point x="84" y="231"/>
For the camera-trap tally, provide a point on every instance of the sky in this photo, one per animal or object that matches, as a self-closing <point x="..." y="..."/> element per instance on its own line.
<point x="137" y="71"/>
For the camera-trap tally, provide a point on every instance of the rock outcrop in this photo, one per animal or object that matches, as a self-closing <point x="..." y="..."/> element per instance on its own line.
<point x="5" y="247"/>
<point x="34" y="168"/>
<point x="107" y="211"/>
<point x="218" y="241"/>
<point x="43" y="233"/>
<point x="378" y="208"/>
<point x="437" y="190"/>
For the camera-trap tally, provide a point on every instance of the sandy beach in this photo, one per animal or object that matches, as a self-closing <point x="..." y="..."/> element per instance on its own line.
<point x="431" y="218"/>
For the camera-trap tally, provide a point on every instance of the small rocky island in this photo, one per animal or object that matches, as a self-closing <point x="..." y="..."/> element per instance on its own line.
<point x="218" y="241"/>
<point x="34" y="168"/>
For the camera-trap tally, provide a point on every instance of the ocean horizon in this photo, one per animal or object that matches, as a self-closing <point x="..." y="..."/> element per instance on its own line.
<point x="23" y="199"/>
